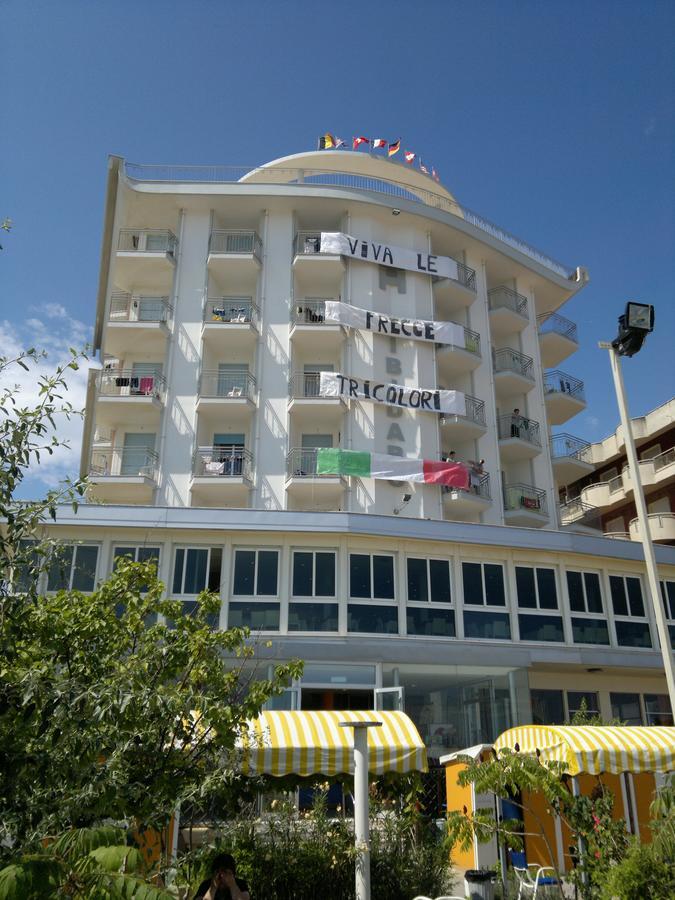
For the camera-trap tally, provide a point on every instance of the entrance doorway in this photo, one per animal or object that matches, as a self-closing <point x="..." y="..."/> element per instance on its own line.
<point x="318" y="698"/>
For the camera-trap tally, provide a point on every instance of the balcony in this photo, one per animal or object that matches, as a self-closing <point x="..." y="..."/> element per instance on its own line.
<point x="230" y="322"/>
<point x="605" y="494"/>
<point x="571" y="458"/>
<point x="525" y="505"/>
<point x="146" y="256"/>
<point x="136" y="324"/>
<point x="306" y="488"/>
<point x="234" y="255"/>
<point x="324" y="271"/>
<point x="514" y="372"/>
<point x="655" y="471"/>
<point x="306" y="403"/>
<point x="455" y="360"/>
<point x="518" y="438"/>
<point x="661" y="528"/>
<point x="578" y="514"/>
<point x="221" y="477"/>
<point x="309" y="327"/>
<point x="564" y="396"/>
<point x="456" y="293"/>
<point x="124" y="396"/>
<point x="455" y="429"/>
<point x="467" y="505"/>
<point x="557" y="338"/>
<point x="119" y="475"/>
<point x="226" y="393"/>
<point x="508" y="311"/>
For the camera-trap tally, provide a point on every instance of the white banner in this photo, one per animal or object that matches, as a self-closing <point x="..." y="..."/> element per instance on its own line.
<point x="416" y="329"/>
<point x="333" y="384"/>
<point x="387" y="255"/>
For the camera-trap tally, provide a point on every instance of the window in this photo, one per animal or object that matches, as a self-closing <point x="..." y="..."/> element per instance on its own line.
<point x="137" y="554"/>
<point x="73" y="568"/>
<point x="536" y="589"/>
<point x="196" y="569"/>
<point x="428" y="580"/>
<point x="371" y="577"/>
<point x="668" y="597"/>
<point x="391" y="277"/>
<point x="626" y="707"/>
<point x="628" y="606"/>
<point x="657" y="709"/>
<point x="547" y="707"/>
<point x="313" y="573"/>
<point x="255" y="573"/>
<point x="379" y="619"/>
<point x="582" y="700"/>
<point x="258" y="616"/>
<point x="27" y="566"/>
<point x="484" y="586"/>
<point x="585" y="598"/>
<point x="312" y="617"/>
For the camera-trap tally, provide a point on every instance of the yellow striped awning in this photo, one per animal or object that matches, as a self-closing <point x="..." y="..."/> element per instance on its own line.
<point x="597" y="748"/>
<point x="307" y="742"/>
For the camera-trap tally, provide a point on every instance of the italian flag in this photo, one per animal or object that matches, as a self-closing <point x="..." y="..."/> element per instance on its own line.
<point x="333" y="461"/>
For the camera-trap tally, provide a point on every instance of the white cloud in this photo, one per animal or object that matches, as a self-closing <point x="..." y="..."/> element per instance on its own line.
<point x="55" y="339"/>
<point x="55" y="311"/>
<point x="593" y="421"/>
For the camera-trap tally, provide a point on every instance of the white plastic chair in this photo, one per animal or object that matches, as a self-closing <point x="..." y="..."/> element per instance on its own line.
<point x="529" y="884"/>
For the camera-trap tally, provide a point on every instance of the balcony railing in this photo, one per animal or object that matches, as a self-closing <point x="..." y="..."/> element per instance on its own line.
<point x="301" y="463"/>
<point x="466" y="276"/>
<point x="552" y="323"/>
<point x="306" y="385"/>
<point x="120" y="462"/>
<point x="524" y="496"/>
<point x="147" y="240"/>
<point x="222" y="462"/>
<point x="503" y="297"/>
<point x="236" y="242"/>
<point x="227" y="385"/>
<point x="127" y="383"/>
<point x="475" y="411"/>
<point x="480" y="488"/>
<point x="307" y="243"/>
<point x="509" y="360"/>
<point x="663" y="459"/>
<point x="471" y="342"/>
<point x="579" y="512"/>
<point x="310" y="312"/>
<point x="519" y="427"/>
<point x="231" y="311"/>
<point x="129" y="308"/>
<point x="566" y="446"/>
<point x="557" y="382"/>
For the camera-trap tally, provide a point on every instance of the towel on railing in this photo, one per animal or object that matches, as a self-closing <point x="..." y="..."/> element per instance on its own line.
<point x="529" y="502"/>
<point x="146" y="385"/>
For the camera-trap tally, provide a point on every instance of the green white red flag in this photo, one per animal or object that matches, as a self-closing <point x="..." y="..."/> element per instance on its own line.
<point x="333" y="461"/>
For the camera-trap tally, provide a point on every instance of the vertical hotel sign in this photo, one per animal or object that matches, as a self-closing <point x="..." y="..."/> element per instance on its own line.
<point x="389" y="255"/>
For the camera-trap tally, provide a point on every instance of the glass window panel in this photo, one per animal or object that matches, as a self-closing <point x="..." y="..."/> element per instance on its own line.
<point x="27" y="571"/>
<point x="633" y="634"/>
<point x="268" y="563"/>
<point x="491" y="625"/>
<point x="575" y="700"/>
<point x="433" y="622"/>
<point x="302" y="575"/>
<point x="494" y="585"/>
<point x="215" y="564"/>
<point x="626" y="707"/>
<point x="130" y="552"/>
<point x="84" y="570"/>
<point x="383" y="577"/>
<point x="590" y="631"/>
<point x="313" y="617"/>
<point x="418" y="588"/>
<point x="635" y="601"/>
<point x="373" y="619"/>
<point x="338" y="673"/>
<point x="195" y="570"/>
<point x="244" y="572"/>
<point x="473" y="583"/>
<point x="547" y="707"/>
<point x="618" y="591"/>
<point x="148" y="554"/>
<point x="325" y="574"/>
<point x="58" y="578"/>
<point x="359" y="575"/>
<point x="439" y="570"/>
<point x="576" y="592"/>
<point x="548" y="595"/>
<point x="541" y="628"/>
<point x="671" y="631"/>
<point x="657" y="709"/>
<point x="178" y="571"/>
<point x="190" y="608"/>
<point x="257" y="616"/>
<point x="670" y="592"/>
<point x="525" y="586"/>
<point x="593" y="595"/>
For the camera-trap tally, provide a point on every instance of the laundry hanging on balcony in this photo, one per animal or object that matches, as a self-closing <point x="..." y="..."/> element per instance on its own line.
<point x="334" y="384"/>
<point x="415" y="329"/>
<point x="389" y="255"/>
<point x="333" y="461"/>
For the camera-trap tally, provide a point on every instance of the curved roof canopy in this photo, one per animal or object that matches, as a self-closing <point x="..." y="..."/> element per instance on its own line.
<point x="596" y="748"/>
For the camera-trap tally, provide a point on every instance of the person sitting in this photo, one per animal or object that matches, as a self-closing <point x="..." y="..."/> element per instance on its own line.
<point x="223" y="883"/>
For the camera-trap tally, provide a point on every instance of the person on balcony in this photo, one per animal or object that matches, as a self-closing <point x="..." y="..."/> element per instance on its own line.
<point x="517" y="422"/>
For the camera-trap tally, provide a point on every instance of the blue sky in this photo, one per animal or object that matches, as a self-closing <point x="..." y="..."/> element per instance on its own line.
<point x="555" y="120"/>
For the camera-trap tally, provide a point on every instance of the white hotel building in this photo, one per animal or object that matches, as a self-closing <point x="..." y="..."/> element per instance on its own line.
<point x="473" y="608"/>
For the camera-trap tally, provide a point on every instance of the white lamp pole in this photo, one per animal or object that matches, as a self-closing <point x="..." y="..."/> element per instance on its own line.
<point x="361" y="806"/>
<point x="643" y="523"/>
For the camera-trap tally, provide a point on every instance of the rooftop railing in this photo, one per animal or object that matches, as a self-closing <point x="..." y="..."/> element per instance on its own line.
<point x="524" y="496"/>
<point x="309" y="312"/>
<point x="552" y="323"/>
<point x="227" y="385"/>
<point x="147" y="240"/>
<point x="309" y="177"/>
<point x="235" y="242"/>
<point x="566" y="446"/>
<point x="301" y="463"/>
<point x="128" y="383"/>
<point x="519" y="427"/>
<point x="124" y="461"/>
<point x="129" y="308"/>
<point x="503" y="297"/>
<point x="509" y="360"/>
<point x="471" y="342"/>
<point x="230" y="311"/>
<point x="557" y="382"/>
<point x="306" y="385"/>
<point x="222" y="462"/>
<point x="480" y="487"/>
<point x="475" y="411"/>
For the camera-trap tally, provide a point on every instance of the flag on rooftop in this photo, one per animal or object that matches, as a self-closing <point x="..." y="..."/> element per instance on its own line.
<point x="359" y="140"/>
<point x="409" y="156"/>
<point x="339" y="143"/>
<point x="379" y="142"/>
<point x="394" y="148"/>
<point x="434" y="175"/>
<point x="326" y="141"/>
<point x="423" y="168"/>
<point x="333" y="461"/>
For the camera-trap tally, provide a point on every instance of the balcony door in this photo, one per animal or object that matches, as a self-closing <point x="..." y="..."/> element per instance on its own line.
<point x="232" y="379"/>
<point x="136" y="453"/>
<point x="312" y="377"/>
<point x="310" y="444"/>
<point x="228" y="448"/>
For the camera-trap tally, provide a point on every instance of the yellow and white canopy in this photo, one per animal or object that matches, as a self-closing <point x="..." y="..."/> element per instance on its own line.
<point x="305" y="743"/>
<point x="596" y="748"/>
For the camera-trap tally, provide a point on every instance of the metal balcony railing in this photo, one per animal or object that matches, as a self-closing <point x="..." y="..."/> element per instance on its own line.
<point x="481" y="488"/>
<point x="552" y="323"/>
<point x="231" y="311"/>
<point x="615" y="485"/>
<point x="557" y="382"/>
<point x="120" y="462"/>
<point x="301" y="463"/>
<point x="519" y="427"/>
<point x="566" y="446"/>
<point x="503" y="297"/>
<point x="127" y="383"/>
<point x="147" y="240"/>
<point x="579" y="512"/>
<point x="663" y="459"/>
<point x="311" y="311"/>
<point x="307" y="243"/>
<point x="129" y="308"/>
<point x="227" y="385"/>
<point x="222" y="462"/>
<point x="509" y="360"/>
<point x="306" y="385"/>
<point x="466" y="276"/>
<point x="236" y="242"/>
<point x="475" y="411"/>
<point x="525" y="496"/>
<point x="471" y="342"/>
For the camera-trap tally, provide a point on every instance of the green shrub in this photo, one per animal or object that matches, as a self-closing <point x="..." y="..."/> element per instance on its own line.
<point x="641" y="875"/>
